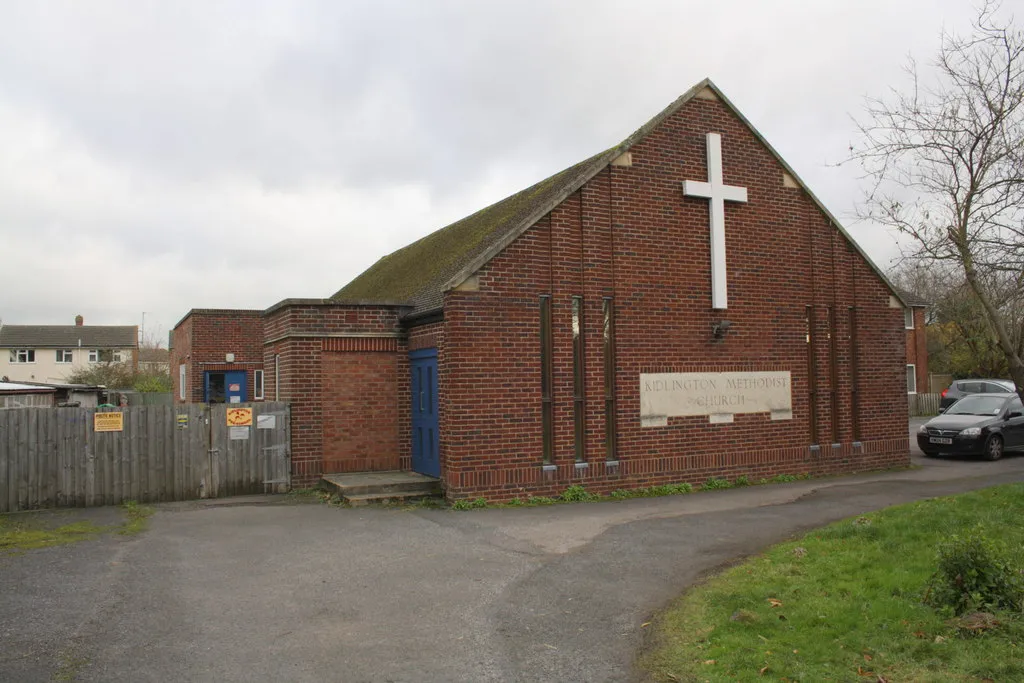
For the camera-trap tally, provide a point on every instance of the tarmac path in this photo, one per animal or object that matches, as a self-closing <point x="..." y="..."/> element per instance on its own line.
<point x="249" y="590"/>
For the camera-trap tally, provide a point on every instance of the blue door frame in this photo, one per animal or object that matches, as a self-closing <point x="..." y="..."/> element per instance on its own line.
<point x="426" y="456"/>
<point x="224" y="387"/>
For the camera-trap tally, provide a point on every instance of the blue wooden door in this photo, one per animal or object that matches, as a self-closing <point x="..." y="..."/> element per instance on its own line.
<point x="426" y="458"/>
<point x="225" y="387"/>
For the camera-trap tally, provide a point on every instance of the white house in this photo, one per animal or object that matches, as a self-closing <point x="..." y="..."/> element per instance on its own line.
<point x="52" y="353"/>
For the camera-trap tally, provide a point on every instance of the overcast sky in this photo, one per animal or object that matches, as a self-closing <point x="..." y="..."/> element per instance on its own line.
<point x="162" y="156"/>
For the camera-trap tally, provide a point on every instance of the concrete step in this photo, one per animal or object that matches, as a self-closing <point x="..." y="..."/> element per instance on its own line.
<point x="363" y="488"/>
<point x="360" y="499"/>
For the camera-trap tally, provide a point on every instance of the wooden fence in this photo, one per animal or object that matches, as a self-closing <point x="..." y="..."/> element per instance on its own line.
<point x="60" y="457"/>
<point x="923" y="404"/>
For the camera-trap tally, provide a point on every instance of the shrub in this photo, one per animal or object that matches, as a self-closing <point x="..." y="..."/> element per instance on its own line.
<point x="974" y="573"/>
<point x="578" y="494"/>
<point x="741" y="481"/>
<point x="715" y="483"/>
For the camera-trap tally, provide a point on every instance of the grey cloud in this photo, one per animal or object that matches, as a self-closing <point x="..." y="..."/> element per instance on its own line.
<point x="234" y="153"/>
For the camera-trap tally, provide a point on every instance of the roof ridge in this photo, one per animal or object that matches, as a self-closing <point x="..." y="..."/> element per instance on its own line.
<point x="423" y="270"/>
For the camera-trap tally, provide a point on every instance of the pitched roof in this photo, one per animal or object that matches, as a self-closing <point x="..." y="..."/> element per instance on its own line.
<point x="16" y="388"/>
<point x="911" y="299"/>
<point x="68" y="336"/>
<point x="150" y="355"/>
<point x="417" y="274"/>
<point x="421" y="272"/>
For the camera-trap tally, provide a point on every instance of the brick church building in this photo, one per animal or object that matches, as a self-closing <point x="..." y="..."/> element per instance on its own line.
<point x="675" y="308"/>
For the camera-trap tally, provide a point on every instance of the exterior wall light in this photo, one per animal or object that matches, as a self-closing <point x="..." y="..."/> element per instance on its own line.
<point x="719" y="329"/>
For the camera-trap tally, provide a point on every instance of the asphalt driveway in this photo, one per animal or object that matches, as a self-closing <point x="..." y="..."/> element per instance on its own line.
<point x="314" y="593"/>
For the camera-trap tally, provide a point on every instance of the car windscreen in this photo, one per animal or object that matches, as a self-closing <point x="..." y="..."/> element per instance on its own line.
<point x="977" y="405"/>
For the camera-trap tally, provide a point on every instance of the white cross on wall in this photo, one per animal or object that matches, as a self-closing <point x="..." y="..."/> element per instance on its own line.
<point x="719" y="193"/>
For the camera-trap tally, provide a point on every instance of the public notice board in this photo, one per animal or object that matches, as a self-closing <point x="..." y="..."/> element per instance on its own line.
<point x="108" y="422"/>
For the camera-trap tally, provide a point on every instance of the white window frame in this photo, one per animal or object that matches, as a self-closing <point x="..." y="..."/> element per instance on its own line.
<point x="911" y="378"/>
<point x="64" y="356"/>
<point x="182" y="375"/>
<point x="117" y="356"/>
<point x="908" y="318"/>
<point x="257" y="385"/>
<point x="23" y="356"/>
<point x="94" y="355"/>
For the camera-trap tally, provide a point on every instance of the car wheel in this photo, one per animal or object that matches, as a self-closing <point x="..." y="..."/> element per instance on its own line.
<point x="994" y="447"/>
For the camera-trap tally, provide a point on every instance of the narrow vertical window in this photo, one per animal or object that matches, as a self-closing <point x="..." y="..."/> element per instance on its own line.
<point x="854" y="376"/>
<point x="257" y="385"/>
<point x="812" y="377"/>
<point x="833" y="369"/>
<point x="182" y="376"/>
<point x="578" y="388"/>
<point x="609" y="380"/>
<point x="277" y="377"/>
<point x="547" y="414"/>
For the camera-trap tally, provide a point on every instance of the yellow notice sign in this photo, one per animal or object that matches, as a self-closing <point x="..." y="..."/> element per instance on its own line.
<point x="108" y="422"/>
<point x="239" y="417"/>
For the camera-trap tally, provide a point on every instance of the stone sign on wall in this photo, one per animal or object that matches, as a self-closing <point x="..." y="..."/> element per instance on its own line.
<point x="719" y="395"/>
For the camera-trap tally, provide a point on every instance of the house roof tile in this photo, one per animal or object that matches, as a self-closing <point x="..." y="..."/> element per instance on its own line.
<point x="68" y="336"/>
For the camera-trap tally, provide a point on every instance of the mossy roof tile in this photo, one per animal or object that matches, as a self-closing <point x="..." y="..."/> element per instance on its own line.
<point x="421" y="272"/>
<point x="418" y="273"/>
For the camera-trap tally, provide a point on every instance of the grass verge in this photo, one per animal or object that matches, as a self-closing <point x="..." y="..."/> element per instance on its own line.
<point x="137" y="518"/>
<point x="844" y="603"/>
<point x="19" y="535"/>
<point x="28" y="531"/>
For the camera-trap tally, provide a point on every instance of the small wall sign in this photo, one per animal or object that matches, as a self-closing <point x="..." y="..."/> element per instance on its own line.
<point x="239" y="417"/>
<point x="108" y="422"/>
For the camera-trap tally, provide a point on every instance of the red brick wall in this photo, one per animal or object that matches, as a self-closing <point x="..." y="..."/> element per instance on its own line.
<point x="181" y="352"/>
<point x="361" y="412"/>
<point x="917" y="350"/>
<point x="341" y="369"/>
<point x="202" y="340"/>
<point x="632" y="235"/>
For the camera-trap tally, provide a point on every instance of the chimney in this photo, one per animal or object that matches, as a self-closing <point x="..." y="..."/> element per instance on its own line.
<point x="79" y="321"/>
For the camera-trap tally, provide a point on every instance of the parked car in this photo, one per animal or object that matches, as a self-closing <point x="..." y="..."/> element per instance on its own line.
<point x="980" y="424"/>
<point x="963" y="387"/>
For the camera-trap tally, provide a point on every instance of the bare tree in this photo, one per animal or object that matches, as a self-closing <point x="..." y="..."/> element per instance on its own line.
<point x="946" y="161"/>
<point x="960" y="339"/>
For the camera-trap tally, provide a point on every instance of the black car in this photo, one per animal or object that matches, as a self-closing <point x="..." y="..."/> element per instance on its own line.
<point x="963" y="387"/>
<point x="981" y="424"/>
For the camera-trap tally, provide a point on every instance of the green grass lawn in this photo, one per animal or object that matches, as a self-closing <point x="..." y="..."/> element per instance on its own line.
<point x="28" y="531"/>
<point x="844" y="603"/>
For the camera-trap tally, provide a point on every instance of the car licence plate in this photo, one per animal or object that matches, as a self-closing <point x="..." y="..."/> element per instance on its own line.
<point x="940" y="439"/>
